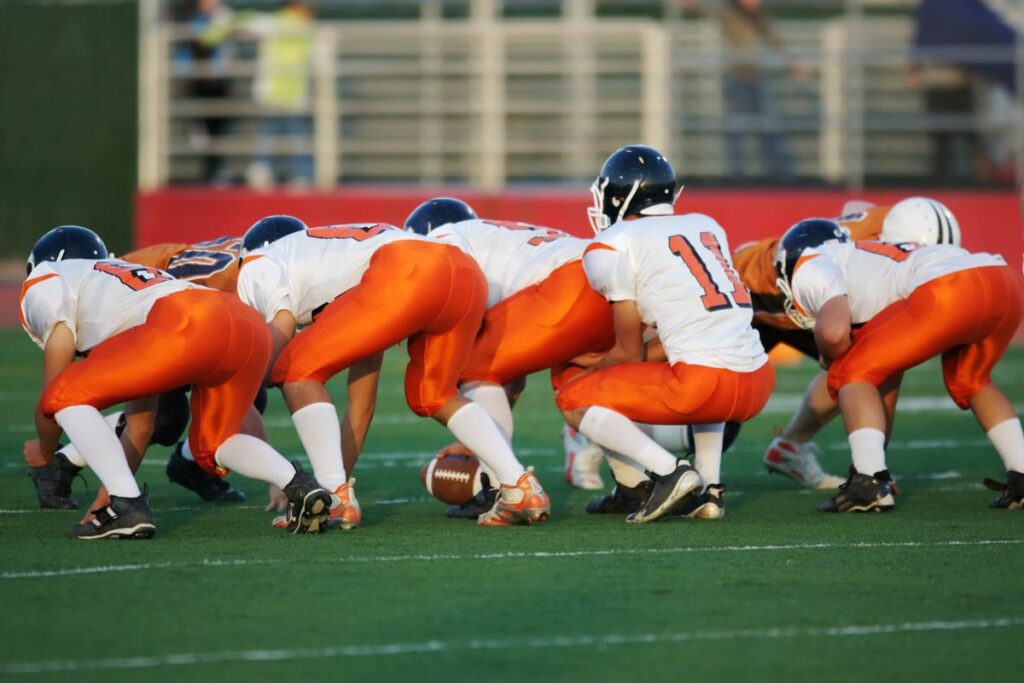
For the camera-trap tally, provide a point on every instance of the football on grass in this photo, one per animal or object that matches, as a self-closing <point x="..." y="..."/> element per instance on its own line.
<point x="453" y="478"/>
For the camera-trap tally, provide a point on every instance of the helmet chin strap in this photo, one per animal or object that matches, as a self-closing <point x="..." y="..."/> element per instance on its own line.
<point x="805" y="321"/>
<point x="595" y="214"/>
<point x="629" y="198"/>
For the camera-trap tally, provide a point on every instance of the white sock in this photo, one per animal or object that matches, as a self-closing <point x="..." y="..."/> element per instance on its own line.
<point x="72" y="454"/>
<point x="616" y="432"/>
<point x="1008" y="438"/>
<point x="626" y="471"/>
<point x="867" y="447"/>
<point x="320" y="433"/>
<point x="186" y="452"/>
<point x="493" y="399"/>
<point x="475" y="430"/>
<point x="100" y="448"/>
<point x="707" y="445"/>
<point x="255" y="459"/>
<point x="669" y="437"/>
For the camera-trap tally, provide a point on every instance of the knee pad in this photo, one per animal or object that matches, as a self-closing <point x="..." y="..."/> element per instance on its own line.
<point x="172" y="415"/>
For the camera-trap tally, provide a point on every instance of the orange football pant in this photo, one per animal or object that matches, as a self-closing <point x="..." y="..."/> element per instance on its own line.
<point x="201" y="337"/>
<point x="541" y="326"/>
<point x="659" y="393"/>
<point x="434" y="295"/>
<point x="969" y="317"/>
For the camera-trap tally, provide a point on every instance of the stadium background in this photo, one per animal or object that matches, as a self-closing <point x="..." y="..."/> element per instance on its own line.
<point x="83" y="79"/>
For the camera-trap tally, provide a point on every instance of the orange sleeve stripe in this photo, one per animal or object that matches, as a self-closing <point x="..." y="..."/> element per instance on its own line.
<point x="594" y="246"/>
<point x="252" y="257"/>
<point x="24" y="290"/>
<point x="800" y="261"/>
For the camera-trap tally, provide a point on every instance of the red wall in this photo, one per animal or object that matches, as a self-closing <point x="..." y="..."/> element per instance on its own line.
<point x="991" y="221"/>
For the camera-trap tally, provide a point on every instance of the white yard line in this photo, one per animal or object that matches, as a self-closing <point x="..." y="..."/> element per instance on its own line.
<point x="536" y="554"/>
<point x="540" y="642"/>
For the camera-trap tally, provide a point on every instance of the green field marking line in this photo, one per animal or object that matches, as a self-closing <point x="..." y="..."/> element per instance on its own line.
<point x="540" y="642"/>
<point x="508" y="555"/>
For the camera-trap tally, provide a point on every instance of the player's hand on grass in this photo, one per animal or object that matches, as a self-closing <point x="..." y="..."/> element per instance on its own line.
<point x="101" y="500"/>
<point x="454" y="449"/>
<point x="33" y="455"/>
<point x="278" y="501"/>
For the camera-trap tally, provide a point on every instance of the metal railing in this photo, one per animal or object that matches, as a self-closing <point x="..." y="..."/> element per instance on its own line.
<point x="487" y="102"/>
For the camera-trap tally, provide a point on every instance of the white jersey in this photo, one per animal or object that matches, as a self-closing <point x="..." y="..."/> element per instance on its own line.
<point x="512" y="256"/>
<point x="94" y="299"/>
<point x="679" y="272"/>
<point x="303" y="272"/>
<point x="874" y="274"/>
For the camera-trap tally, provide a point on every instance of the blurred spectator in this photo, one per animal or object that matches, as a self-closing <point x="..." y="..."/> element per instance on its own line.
<point x="751" y="42"/>
<point x="947" y="35"/>
<point x="205" y="58"/>
<point x="282" y="88"/>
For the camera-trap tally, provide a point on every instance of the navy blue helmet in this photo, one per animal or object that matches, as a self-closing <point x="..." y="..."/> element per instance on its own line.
<point x="436" y="212"/>
<point x="805" y="235"/>
<point x="66" y="242"/>
<point x="635" y="180"/>
<point x="267" y="231"/>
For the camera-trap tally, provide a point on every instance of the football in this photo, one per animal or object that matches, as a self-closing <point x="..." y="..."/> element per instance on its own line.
<point x="453" y="478"/>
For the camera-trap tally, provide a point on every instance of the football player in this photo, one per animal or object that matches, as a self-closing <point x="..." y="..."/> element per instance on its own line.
<point x="359" y="290"/>
<point x="213" y="263"/>
<point x="793" y="452"/>
<point x="143" y="333"/>
<point x="672" y="272"/>
<point x="914" y="302"/>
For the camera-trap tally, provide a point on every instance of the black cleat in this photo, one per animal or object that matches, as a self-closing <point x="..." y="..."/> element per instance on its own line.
<point x="863" y="493"/>
<point x="211" y="488"/>
<point x="1012" y="496"/>
<point x="702" y="505"/>
<point x="53" y="483"/>
<point x="623" y="500"/>
<point x="122" y="518"/>
<point x="309" y="503"/>
<point x="667" y="492"/>
<point x="482" y="502"/>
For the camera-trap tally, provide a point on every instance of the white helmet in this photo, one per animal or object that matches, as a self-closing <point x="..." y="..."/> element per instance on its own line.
<point x="920" y="219"/>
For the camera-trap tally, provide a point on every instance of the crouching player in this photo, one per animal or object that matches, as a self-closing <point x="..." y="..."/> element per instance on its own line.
<point x="144" y="333"/>
<point x="915" y="302"/>
<point x="674" y="273"/>
<point x="359" y="290"/>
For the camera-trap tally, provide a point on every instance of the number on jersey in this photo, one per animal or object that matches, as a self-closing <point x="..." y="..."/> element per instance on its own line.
<point x="714" y="299"/>
<point x="900" y="251"/>
<point x="544" y="234"/>
<point x="205" y="259"/>
<point x="349" y="232"/>
<point x="135" y="277"/>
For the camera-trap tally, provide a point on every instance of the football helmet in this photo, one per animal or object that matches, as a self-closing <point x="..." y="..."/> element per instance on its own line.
<point x="66" y="242"/>
<point x="920" y="219"/>
<point x="806" y="234"/>
<point x="634" y="181"/>
<point x="434" y="213"/>
<point x="266" y="231"/>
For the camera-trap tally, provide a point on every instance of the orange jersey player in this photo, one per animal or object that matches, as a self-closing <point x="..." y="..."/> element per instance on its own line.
<point x="143" y="333"/>
<point x="672" y="272"/>
<point x="359" y="290"/>
<point x="213" y="263"/>
<point x="878" y="309"/>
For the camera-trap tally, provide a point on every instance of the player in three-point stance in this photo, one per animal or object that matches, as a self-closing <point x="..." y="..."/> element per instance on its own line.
<point x="878" y="309"/>
<point x="673" y="273"/>
<point x="359" y="290"/>
<point x="143" y="333"/>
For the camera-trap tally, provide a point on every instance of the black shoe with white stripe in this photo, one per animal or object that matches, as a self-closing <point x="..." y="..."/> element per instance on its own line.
<point x="122" y="518"/>
<point x="668" y="492"/>
<point x="308" y="503"/>
<point x="1012" y="496"/>
<point x="707" y="504"/>
<point x="863" y="493"/>
<point x="622" y="500"/>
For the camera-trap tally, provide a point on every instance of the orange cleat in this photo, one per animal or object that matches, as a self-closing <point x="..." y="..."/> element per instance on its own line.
<point x="345" y="511"/>
<point x="524" y="503"/>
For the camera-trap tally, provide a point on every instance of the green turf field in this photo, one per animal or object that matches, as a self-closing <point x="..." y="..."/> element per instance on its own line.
<point x="775" y="591"/>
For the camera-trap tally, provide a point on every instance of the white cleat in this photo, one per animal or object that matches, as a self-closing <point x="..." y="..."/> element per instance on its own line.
<point x="799" y="461"/>
<point x="582" y="460"/>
